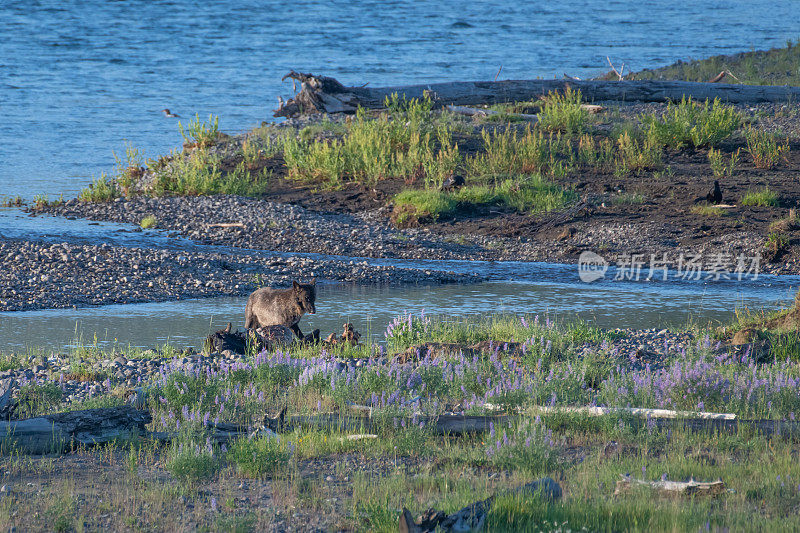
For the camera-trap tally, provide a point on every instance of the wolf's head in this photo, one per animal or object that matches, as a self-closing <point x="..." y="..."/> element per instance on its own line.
<point x="305" y="296"/>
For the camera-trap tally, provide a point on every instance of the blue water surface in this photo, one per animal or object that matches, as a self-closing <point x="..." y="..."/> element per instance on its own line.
<point x="79" y="78"/>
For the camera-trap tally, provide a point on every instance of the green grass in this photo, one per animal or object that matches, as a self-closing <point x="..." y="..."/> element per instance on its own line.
<point x="778" y="66"/>
<point x="764" y="197"/>
<point x="528" y="194"/>
<point x="259" y="457"/>
<point x="693" y="123"/>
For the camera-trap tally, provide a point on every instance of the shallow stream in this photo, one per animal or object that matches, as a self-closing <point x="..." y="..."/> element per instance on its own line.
<point x="606" y="303"/>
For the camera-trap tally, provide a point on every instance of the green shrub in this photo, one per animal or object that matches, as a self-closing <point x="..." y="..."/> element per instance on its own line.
<point x="633" y="155"/>
<point x="101" y="189"/>
<point x="693" y="123"/>
<point x="191" y="462"/>
<point x="402" y="143"/>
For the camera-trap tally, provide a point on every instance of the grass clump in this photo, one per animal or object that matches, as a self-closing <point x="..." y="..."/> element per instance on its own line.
<point x="765" y="148"/>
<point x="259" y="457"/>
<point x="719" y="166"/>
<point x="761" y="198"/>
<point x="102" y="189"/>
<point x="148" y="222"/>
<point x="201" y="173"/>
<point x="564" y="112"/>
<point x="15" y="201"/>
<point x="690" y="122"/>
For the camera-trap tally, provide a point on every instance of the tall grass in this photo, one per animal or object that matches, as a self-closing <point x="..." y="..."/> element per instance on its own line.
<point x="400" y="143"/>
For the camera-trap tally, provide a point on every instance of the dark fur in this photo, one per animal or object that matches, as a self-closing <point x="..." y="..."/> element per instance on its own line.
<point x="715" y="196"/>
<point x="280" y="307"/>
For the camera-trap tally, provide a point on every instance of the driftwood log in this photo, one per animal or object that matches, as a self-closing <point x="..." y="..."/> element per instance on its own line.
<point x="672" y="488"/>
<point x="55" y="433"/>
<point x="322" y="94"/>
<point x="473" y="516"/>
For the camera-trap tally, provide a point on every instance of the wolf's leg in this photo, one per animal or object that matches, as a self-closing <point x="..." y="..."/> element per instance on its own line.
<point x="297" y="332"/>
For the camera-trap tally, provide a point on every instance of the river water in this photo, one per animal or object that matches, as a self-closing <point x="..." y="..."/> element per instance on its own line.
<point x="547" y="290"/>
<point x="79" y="78"/>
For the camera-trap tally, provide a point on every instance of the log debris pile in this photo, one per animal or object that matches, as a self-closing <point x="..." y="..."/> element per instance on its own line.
<point x="323" y="94"/>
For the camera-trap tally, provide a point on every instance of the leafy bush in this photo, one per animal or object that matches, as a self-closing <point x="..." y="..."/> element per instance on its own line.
<point x="101" y="189"/>
<point x="719" y="167"/>
<point x="400" y="143"/>
<point x="633" y="155"/>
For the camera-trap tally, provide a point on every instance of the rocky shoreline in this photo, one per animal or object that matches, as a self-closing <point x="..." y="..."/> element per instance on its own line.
<point x="41" y="275"/>
<point x="251" y="223"/>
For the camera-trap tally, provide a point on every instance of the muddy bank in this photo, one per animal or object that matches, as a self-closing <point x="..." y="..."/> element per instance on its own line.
<point x="39" y="275"/>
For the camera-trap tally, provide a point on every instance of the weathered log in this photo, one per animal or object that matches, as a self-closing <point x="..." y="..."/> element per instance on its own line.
<point x="473" y="516"/>
<point x="321" y="94"/>
<point x="672" y="488"/>
<point x="55" y="433"/>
